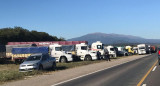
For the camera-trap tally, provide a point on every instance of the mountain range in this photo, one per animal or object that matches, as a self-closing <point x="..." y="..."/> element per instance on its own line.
<point x="114" y="39"/>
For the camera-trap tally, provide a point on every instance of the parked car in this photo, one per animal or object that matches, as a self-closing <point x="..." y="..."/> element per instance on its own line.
<point x="122" y="51"/>
<point x="38" y="62"/>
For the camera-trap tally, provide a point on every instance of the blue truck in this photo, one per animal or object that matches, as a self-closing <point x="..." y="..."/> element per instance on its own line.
<point x="19" y="54"/>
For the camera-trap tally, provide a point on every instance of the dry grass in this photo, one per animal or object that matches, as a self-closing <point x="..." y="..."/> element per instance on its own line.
<point x="7" y="67"/>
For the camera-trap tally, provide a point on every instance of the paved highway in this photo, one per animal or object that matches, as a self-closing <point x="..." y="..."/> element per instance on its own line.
<point x="128" y="74"/>
<point x="153" y="78"/>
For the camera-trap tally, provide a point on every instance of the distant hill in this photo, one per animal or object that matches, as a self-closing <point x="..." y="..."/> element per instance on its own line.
<point x="114" y="39"/>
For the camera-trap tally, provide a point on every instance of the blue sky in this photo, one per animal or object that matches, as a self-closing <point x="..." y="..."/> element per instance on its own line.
<point x="74" y="18"/>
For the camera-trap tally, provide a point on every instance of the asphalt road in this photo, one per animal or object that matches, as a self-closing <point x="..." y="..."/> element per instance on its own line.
<point x="153" y="79"/>
<point x="128" y="74"/>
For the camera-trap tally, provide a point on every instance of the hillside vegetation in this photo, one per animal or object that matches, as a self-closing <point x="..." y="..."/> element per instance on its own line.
<point x="19" y="34"/>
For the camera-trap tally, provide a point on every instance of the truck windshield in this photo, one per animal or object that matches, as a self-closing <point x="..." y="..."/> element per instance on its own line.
<point x="84" y="48"/>
<point x="58" y="48"/>
<point x="99" y="46"/>
<point x="33" y="58"/>
<point x="142" y="48"/>
<point x="68" y="48"/>
<point x="112" y="49"/>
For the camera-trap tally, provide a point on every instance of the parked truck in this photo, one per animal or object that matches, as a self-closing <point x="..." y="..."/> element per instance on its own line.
<point x="111" y="50"/>
<point x="148" y="49"/>
<point x="19" y="54"/>
<point x="129" y="49"/>
<point x="80" y="51"/>
<point x="98" y="46"/>
<point x="83" y="52"/>
<point x="159" y="56"/>
<point x="60" y="55"/>
<point x="2" y="53"/>
<point x="10" y="47"/>
<point x="153" y="49"/>
<point x="6" y="52"/>
<point x="141" y="49"/>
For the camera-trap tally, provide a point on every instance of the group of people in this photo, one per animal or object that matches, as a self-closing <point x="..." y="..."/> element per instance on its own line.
<point x="106" y="55"/>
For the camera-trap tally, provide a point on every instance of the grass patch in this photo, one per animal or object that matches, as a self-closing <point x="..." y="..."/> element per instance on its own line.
<point x="9" y="67"/>
<point x="7" y="75"/>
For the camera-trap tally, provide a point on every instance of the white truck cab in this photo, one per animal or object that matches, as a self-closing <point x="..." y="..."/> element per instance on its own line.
<point x="111" y="51"/>
<point x="141" y="49"/>
<point x="60" y="55"/>
<point x="98" y="46"/>
<point x="84" y="53"/>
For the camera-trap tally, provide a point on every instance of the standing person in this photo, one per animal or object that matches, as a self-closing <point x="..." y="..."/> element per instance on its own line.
<point x="98" y="55"/>
<point x="107" y="56"/>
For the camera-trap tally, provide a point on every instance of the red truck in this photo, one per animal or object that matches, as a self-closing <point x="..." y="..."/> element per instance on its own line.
<point x="153" y="49"/>
<point x="159" y="56"/>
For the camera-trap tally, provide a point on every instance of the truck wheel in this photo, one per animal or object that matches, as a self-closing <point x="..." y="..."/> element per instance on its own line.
<point x="63" y="60"/>
<point x="54" y="66"/>
<point x="126" y="54"/>
<point x="88" y="58"/>
<point x="40" y="67"/>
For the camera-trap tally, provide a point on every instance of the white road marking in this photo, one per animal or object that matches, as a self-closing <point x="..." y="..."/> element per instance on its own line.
<point x="92" y="73"/>
<point x="144" y="85"/>
<point x="154" y="68"/>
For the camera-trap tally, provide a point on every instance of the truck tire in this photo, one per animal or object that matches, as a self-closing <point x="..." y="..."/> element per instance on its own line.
<point x="63" y="60"/>
<point x="54" y="66"/>
<point x="88" y="58"/>
<point x="126" y="54"/>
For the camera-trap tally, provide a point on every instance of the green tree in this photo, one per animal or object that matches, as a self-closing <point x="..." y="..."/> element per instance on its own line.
<point x="19" y="34"/>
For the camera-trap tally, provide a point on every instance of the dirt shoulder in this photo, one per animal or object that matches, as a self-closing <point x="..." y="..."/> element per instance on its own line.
<point x="49" y="79"/>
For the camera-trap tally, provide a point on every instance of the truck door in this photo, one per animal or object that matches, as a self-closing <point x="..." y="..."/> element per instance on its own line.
<point x="81" y="51"/>
<point x="57" y="52"/>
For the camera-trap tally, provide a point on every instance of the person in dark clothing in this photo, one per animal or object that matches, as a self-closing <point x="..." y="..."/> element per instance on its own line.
<point x="98" y="55"/>
<point x="107" y="56"/>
